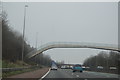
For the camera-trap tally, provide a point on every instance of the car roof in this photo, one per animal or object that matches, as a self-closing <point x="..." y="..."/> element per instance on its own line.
<point x="77" y="65"/>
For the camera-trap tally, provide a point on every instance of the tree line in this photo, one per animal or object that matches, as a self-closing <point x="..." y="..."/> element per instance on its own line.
<point x="104" y="59"/>
<point x="12" y="45"/>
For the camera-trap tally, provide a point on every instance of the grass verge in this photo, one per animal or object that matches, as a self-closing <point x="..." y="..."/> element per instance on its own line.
<point x="7" y="74"/>
<point x="17" y="64"/>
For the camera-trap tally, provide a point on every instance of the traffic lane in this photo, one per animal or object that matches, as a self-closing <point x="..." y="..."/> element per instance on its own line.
<point x="101" y="74"/>
<point x="88" y="74"/>
<point x="60" y="73"/>
<point x="67" y="73"/>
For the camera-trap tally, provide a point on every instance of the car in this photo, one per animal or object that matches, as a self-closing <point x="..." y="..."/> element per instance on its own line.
<point x="100" y="67"/>
<point x="71" y="67"/>
<point x="67" y="67"/>
<point x="77" y="68"/>
<point x="63" y="67"/>
<point x="83" y="67"/>
<point x="113" y="68"/>
<point x="54" y="68"/>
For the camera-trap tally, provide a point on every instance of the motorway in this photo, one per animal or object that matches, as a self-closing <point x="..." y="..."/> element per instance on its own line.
<point x="67" y="73"/>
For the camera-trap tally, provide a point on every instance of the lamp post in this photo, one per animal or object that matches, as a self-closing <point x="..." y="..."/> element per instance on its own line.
<point x="36" y="48"/>
<point x="24" y="32"/>
<point x="36" y="40"/>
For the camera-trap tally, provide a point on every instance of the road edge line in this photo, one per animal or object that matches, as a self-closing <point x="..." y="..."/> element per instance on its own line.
<point x="45" y="74"/>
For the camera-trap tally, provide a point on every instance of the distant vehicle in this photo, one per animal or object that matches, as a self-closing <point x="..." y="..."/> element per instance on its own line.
<point x="63" y="67"/>
<point x="54" y="68"/>
<point x="83" y="67"/>
<point x="71" y="67"/>
<point x="100" y="67"/>
<point x="67" y="67"/>
<point x="77" y="68"/>
<point x="113" y="68"/>
<point x="87" y="67"/>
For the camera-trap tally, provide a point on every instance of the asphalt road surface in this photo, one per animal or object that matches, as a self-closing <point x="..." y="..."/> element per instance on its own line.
<point x="67" y="73"/>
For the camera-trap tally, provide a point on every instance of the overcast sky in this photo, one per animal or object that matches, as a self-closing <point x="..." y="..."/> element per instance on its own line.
<point x="66" y="22"/>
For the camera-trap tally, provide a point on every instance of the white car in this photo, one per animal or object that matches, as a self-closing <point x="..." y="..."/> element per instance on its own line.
<point x="100" y="67"/>
<point x="113" y="68"/>
<point x="63" y="67"/>
<point x="54" y="68"/>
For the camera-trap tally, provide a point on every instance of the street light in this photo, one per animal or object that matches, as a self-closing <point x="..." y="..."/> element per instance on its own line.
<point x="24" y="32"/>
<point x="36" y="40"/>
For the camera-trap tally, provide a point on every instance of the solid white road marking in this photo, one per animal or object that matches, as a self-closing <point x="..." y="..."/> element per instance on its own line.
<point x="45" y="75"/>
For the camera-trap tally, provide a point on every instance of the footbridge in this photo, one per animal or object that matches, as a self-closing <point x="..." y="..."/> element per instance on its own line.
<point x="72" y="45"/>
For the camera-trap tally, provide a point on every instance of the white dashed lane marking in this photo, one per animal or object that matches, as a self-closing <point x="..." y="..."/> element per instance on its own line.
<point x="77" y="75"/>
